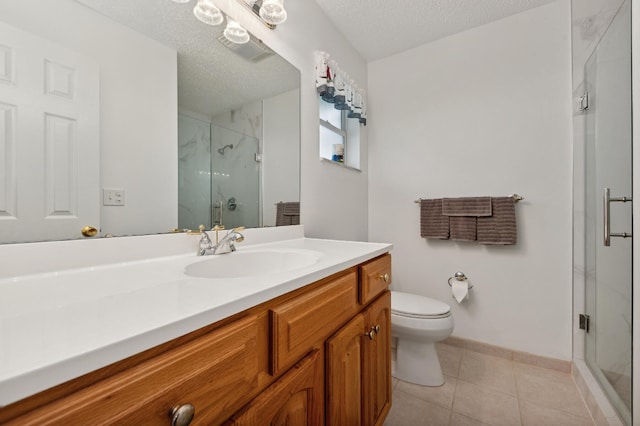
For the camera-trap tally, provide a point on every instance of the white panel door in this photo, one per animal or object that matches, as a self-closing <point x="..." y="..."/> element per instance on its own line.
<point x="49" y="139"/>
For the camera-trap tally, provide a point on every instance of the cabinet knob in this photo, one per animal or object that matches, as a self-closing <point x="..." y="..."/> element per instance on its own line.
<point x="181" y="415"/>
<point x="375" y="329"/>
<point x="384" y="277"/>
<point x="371" y="333"/>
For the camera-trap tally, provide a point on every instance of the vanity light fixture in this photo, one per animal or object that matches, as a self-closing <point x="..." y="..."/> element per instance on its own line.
<point x="272" y="11"/>
<point x="208" y="13"/>
<point x="235" y="32"/>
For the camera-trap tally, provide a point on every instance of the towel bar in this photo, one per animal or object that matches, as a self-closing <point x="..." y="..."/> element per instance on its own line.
<point x="516" y="198"/>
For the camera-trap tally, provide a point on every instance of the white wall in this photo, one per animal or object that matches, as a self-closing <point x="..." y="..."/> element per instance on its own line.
<point x="281" y="137"/>
<point x="484" y="112"/>
<point x="333" y="199"/>
<point x="138" y="109"/>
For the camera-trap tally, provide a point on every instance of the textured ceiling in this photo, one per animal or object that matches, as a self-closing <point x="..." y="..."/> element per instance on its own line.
<point x="211" y="78"/>
<point x="380" y="28"/>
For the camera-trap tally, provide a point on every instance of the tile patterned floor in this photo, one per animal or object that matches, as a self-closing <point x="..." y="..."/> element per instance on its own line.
<point x="487" y="390"/>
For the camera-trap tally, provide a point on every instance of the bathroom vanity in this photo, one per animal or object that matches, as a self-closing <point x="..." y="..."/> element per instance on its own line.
<point x="303" y="346"/>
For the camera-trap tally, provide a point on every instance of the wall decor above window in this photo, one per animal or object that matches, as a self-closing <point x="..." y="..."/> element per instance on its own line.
<point x="336" y="87"/>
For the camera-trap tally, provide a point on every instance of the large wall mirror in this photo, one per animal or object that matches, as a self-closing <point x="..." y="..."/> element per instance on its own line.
<point x="134" y="118"/>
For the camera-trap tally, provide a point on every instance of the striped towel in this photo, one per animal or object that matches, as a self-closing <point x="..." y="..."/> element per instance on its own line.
<point x="501" y="227"/>
<point x="291" y="208"/>
<point x="433" y="224"/>
<point x="288" y="213"/>
<point x="466" y="206"/>
<point x="464" y="214"/>
<point x="463" y="228"/>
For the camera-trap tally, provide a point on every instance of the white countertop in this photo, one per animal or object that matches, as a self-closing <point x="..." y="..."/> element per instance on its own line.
<point x="56" y="326"/>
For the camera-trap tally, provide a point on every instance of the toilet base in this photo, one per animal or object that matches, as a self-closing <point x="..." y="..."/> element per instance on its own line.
<point x="418" y="363"/>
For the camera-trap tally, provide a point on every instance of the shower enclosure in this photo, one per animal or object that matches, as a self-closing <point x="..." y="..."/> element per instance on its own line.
<point x="607" y="320"/>
<point x="219" y="176"/>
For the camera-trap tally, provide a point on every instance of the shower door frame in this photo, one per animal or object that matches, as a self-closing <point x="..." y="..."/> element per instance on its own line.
<point x="597" y="174"/>
<point x="635" y="117"/>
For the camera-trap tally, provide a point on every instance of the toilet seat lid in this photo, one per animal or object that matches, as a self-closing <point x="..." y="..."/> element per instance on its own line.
<point x="416" y="306"/>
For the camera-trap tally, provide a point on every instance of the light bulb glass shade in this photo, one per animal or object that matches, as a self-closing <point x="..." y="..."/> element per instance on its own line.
<point x="208" y="13"/>
<point x="235" y="33"/>
<point x="272" y="11"/>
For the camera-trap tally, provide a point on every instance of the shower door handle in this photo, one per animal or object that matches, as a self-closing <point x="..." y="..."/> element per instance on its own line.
<point x="606" y="216"/>
<point x="217" y="205"/>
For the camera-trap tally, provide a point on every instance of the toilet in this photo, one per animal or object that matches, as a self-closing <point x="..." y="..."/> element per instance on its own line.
<point x="418" y="322"/>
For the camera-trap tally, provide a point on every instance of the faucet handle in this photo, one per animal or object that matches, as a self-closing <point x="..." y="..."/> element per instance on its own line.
<point x="217" y="228"/>
<point x="240" y="237"/>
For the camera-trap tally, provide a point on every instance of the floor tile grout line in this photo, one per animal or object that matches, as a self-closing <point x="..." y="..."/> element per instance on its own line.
<point x="536" y="403"/>
<point x="515" y="380"/>
<point x="455" y="391"/>
<point x="514" y="365"/>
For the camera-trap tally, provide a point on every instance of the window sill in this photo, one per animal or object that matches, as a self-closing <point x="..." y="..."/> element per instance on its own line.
<point x="337" y="163"/>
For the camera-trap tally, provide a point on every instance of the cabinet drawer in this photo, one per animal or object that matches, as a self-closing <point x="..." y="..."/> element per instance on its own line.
<point x="201" y="372"/>
<point x="299" y="325"/>
<point x="375" y="277"/>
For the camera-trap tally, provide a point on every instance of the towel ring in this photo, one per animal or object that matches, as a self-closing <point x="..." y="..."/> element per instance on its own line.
<point x="459" y="276"/>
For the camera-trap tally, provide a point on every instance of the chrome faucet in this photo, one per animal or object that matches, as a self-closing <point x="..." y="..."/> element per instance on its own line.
<point x="225" y="245"/>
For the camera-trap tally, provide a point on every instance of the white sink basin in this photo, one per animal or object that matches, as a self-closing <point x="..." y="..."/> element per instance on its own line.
<point x="252" y="263"/>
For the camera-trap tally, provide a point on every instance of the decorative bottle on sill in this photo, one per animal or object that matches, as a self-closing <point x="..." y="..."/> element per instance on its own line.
<point x="338" y="153"/>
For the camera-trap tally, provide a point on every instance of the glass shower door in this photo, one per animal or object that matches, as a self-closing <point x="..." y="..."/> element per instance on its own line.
<point x="235" y="178"/>
<point x="608" y="344"/>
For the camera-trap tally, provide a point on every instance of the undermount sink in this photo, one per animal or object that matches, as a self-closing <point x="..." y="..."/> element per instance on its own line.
<point x="252" y="263"/>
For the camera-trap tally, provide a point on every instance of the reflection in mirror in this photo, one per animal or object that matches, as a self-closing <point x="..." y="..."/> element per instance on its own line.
<point x="187" y="128"/>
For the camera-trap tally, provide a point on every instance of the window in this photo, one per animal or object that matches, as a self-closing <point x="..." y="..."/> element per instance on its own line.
<point x="339" y="136"/>
<point x="342" y="109"/>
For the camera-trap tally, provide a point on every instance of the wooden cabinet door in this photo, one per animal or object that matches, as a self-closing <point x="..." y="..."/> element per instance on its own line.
<point x="303" y="323"/>
<point x="343" y="374"/>
<point x="296" y="399"/>
<point x="376" y="368"/>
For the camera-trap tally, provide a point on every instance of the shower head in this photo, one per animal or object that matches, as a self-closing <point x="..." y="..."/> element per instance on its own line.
<point x="221" y="150"/>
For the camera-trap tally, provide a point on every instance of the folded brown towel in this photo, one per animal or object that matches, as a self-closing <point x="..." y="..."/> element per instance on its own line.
<point x="466" y="206"/>
<point x="279" y="215"/>
<point x="501" y="227"/>
<point x="433" y="224"/>
<point x="288" y="213"/>
<point x="463" y="228"/>
<point x="291" y="208"/>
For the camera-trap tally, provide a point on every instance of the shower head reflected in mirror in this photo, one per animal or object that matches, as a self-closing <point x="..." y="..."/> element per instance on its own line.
<point x="221" y="150"/>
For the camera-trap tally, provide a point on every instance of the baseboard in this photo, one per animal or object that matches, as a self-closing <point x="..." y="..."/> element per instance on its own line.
<point x="517" y="356"/>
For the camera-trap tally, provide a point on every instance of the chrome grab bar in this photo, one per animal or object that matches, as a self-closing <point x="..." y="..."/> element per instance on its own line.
<point x="606" y="204"/>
